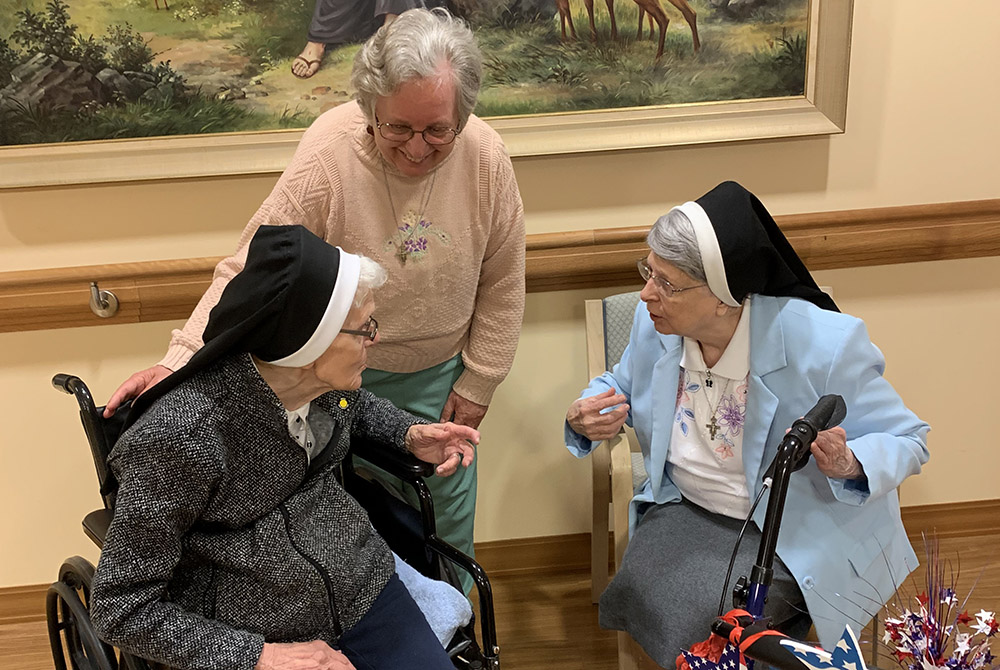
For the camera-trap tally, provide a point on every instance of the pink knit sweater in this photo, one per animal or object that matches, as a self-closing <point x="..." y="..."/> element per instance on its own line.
<point x="461" y="288"/>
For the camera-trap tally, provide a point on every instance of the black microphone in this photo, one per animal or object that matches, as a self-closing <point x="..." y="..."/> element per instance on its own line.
<point x="828" y="412"/>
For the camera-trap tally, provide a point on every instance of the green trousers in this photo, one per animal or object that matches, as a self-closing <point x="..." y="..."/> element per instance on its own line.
<point x="424" y="393"/>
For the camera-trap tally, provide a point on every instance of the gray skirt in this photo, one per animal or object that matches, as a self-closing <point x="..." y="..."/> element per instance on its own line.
<point x="666" y="594"/>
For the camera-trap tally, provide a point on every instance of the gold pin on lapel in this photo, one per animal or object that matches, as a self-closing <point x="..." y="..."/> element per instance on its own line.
<point x="343" y="403"/>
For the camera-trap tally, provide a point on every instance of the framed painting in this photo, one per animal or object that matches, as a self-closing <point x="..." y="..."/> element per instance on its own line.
<point x="92" y="91"/>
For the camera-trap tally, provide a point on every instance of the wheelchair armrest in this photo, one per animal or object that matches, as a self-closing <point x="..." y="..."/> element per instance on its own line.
<point x="96" y="524"/>
<point x="402" y="464"/>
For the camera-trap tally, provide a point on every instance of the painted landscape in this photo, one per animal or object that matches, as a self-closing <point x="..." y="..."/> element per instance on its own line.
<point x="75" y="70"/>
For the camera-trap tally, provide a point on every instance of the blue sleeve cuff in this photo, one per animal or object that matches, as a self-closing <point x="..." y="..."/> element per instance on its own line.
<point x="577" y="444"/>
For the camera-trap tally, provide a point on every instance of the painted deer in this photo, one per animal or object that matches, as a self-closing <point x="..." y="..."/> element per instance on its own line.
<point x="566" y="18"/>
<point x="656" y="13"/>
<point x="650" y="7"/>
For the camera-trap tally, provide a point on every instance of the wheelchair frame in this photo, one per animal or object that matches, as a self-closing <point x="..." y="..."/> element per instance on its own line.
<point x="411" y="533"/>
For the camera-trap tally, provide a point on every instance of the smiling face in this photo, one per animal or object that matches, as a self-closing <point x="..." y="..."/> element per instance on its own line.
<point x="341" y="365"/>
<point x="688" y="313"/>
<point x="418" y="104"/>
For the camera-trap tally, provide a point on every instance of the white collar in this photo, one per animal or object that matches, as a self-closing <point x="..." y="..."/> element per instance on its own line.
<point x="735" y="360"/>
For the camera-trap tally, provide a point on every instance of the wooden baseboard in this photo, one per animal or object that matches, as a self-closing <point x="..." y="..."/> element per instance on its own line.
<point x="961" y="519"/>
<point x="22" y="604"/>
<point x="566" y="553"/>
<point x="551" y="552"/>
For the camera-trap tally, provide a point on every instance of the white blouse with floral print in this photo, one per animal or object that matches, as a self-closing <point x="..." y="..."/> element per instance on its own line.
<point x="705" y="459"/>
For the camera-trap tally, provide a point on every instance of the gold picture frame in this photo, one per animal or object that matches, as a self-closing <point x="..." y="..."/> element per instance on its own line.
<point x="822" y="110"/>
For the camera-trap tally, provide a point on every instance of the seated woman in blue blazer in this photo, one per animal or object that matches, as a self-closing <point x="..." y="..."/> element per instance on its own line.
<point x="732" y="342"/>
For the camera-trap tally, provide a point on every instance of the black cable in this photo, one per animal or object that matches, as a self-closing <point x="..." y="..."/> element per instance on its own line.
<point x="739" y="538"/>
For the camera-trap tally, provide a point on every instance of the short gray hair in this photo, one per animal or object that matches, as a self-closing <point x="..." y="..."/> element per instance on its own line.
<point x="672" y="239"/>
<point x="414" y="46"/>
<point x="371" y="277"/>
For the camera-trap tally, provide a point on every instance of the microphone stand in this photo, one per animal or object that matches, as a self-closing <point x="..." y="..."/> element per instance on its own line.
<point x="790" y="452"/>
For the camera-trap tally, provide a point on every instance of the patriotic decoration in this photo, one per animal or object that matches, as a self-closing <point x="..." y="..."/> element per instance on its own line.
<point x="845" y="656"/>
<point x="939" y="635"/>
<point x="730" y="659"/>
<point x="936" y="631"/>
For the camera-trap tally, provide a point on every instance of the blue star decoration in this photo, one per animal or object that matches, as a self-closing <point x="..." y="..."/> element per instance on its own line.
<point x="729" y="660"/>
<point x="846" y="655"/>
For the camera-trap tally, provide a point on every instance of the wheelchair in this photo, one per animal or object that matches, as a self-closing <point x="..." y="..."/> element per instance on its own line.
<point x="409" y="532"/>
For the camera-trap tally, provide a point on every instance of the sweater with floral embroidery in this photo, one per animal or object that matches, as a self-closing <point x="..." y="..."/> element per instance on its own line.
<point x="461" y="288"/>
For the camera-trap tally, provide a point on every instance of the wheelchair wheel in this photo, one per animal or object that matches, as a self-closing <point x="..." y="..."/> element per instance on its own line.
<point x="71" y="634"/>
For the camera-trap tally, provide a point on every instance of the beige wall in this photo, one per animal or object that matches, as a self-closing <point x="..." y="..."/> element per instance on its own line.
<point x="921" y="128"/>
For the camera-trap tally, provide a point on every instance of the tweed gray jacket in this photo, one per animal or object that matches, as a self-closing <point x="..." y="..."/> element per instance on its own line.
<point x="224" y="537"/>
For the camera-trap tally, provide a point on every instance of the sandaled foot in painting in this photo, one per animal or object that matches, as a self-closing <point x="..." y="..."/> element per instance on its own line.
<point x="307" y="63"/>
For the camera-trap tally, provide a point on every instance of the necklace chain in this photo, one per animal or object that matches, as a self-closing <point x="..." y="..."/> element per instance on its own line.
<point x="713" y="424"/>
<point x="401" y="252"/>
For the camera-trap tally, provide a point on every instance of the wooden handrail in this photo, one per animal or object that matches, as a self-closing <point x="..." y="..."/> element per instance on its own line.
<point x="161" y="290"/>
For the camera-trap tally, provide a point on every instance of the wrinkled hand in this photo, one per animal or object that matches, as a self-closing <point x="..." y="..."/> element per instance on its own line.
<point x="315" y="655"/>
<point x="446" y="444"/>
<point x="135" y="386"/>
<point x="463" y="411"/>
<point x="833" y="457"/>
<point x="585" y="417"/>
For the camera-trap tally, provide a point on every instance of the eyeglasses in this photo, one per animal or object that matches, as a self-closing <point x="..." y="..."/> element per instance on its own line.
<point x="665" y="287"/>
<point x="395" y="132"/>
<point x="370" y="329"/>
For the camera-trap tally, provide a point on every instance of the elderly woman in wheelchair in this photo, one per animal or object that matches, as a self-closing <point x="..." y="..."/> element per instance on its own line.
<point x="733" y="341"/>
<point x="233" y="543"/>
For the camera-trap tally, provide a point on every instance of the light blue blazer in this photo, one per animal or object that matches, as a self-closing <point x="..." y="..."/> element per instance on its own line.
<point x="842" y="540"/>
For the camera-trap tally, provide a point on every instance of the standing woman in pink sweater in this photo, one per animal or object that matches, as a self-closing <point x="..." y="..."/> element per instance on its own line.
<point x="408" y="176"/>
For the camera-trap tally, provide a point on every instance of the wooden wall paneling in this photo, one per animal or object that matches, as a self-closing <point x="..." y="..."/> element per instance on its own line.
<point x="161" y="290"/>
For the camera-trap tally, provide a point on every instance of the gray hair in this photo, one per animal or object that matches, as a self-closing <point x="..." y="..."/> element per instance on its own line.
<point x="414" y="46"/>
<point x="672" y="239"/>
<point x="372" y="276"/>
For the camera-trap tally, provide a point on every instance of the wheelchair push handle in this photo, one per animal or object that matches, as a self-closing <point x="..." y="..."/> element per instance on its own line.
<point x="66" y="383"/>
<point x="76" y="387"/>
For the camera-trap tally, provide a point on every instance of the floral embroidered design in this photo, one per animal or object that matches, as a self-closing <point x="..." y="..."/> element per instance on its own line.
<point x="731" y="414"/>
<point x="685" y="387"/>
<point x="413" y="238"/>
<point x="725" y="450"/>
<point x="741" y="392"/>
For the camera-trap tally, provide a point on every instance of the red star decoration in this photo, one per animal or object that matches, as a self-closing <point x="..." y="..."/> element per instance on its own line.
<point x="922" y="598"/>
<point x="964" y="618"/>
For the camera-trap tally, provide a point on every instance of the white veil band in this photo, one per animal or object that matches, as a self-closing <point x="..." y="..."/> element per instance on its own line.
<point x="333" y="319"/>
<point x="711" y="254"/>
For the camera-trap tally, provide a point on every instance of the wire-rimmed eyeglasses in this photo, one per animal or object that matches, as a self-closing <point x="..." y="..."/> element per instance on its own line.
<point x="370" y="329"/>
<point x="664" y="286"/>
<point x="395" y="132"/>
